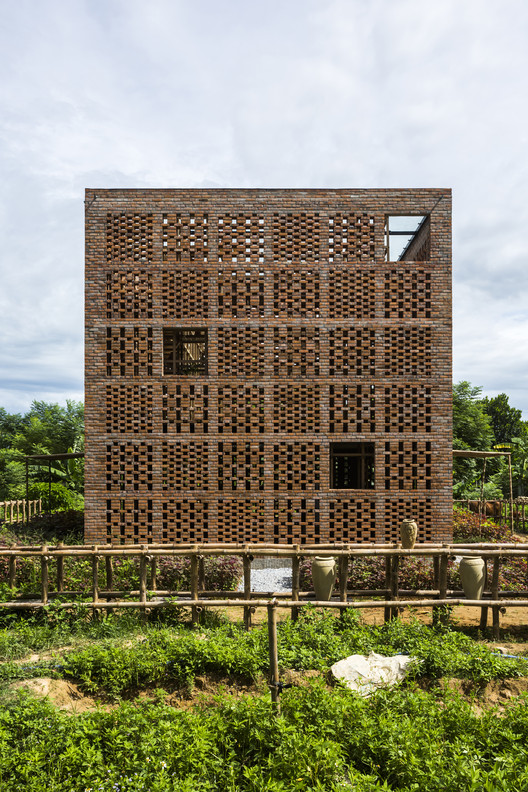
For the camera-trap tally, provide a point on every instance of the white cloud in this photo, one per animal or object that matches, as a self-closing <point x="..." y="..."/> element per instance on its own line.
<point x="344" y="93"/>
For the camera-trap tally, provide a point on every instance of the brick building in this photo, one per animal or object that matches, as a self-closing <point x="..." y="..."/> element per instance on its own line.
<point x="267" y="365"/>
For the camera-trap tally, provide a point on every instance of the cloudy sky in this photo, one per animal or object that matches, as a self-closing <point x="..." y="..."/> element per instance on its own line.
<point x="241" y="93"/>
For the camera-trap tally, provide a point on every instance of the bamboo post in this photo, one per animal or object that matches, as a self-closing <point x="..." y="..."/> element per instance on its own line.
<point x="296" y="582"/>
<point x="201" y="573"/>
<point x="395" y="572"/>
<point x="154" y="572"/>
<point x="436" y="584"/>
<point x="246" y="562"/>
<point x="343" y="581"/>
<point x="484" y="609"/>
<point x="442" y="585"/>
<point x="495" y="596"/>
<point x="436" y="570"/>
<point x="388" y="567"/>
<point x="481" y="501"/>
<point x="194" y="587"/>
<point x="12" y="571"/>
<point x="44" y="569"/>
<point x="273" y="656"/>
<point x="143" y="565"/>
<point x="109" y="570"/>
<point x="60" y="568"/>
<point x="95" y="580"/>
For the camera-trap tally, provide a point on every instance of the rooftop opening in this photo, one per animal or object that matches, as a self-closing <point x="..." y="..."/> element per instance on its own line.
<point x="407" y="238"/>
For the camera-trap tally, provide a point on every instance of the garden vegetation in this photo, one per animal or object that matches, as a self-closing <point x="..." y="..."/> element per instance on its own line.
<point x="149" y="731"/>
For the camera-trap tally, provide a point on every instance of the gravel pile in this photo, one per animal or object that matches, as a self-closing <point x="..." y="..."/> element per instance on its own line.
<point x="270" y="575"/>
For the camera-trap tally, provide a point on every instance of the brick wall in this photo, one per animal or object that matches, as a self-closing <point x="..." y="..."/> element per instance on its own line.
<point x="313" y="339"/>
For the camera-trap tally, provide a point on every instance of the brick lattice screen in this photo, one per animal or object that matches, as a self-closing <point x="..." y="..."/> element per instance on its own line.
<point x="309" y="340"/>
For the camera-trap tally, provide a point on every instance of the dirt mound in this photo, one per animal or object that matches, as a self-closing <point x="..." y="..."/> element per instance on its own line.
<point x="67" y="696"/>
<point x="62" y="694"/>
<point x="497" y="693"/>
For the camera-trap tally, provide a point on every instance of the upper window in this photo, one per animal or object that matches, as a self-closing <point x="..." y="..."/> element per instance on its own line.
<point x="184" y="350"/>
<point x="352" y="465"/>
<point x="407" y="238"/>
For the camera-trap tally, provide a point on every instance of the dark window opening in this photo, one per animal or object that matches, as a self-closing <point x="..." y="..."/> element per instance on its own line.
<point x="352" y="465"/>
<point x="407" y="238"/>
<point x="184" y="351"/>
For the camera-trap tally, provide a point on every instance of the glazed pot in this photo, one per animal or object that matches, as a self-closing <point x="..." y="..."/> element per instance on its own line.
<point x="473" y="576"/>
<point x="324" y="572"/>
<point x="408" y="531"/>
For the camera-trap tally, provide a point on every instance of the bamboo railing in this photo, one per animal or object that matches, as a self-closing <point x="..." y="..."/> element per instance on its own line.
<point x="501" y="511"/>
<point x="391" y="597"/>
<point x="16" y="511"/>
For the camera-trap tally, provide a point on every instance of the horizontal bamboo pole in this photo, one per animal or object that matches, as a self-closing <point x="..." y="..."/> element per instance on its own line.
<point x="239" y="597"/>
<point x="274" y="549"/>
<point x="261" y="603"/>
<point x="453" y="550"/>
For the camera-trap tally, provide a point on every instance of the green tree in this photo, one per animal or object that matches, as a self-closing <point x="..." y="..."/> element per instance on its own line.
<point x="12" y="475"/>
<point x="50" y="428"/>
<point x="471" y="431"/>
<point x="10" y="424"/>
<point x="506" y="421"/>
<point x="519" y="461"/>
<point x="45" y="429"/>
<point x="471" y="424"/>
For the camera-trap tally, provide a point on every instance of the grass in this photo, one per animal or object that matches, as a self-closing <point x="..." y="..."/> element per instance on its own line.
<point x="325" y="739"/>
<point x="119" y="655"/>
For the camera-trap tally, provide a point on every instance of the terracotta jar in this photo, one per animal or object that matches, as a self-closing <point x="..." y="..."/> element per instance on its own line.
<point x="324" y="572"/>
<point x="473" y="576"/>
<point x="408" y="531"/>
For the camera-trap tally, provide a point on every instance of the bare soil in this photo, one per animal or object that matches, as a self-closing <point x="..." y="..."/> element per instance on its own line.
<point x="498" y="693"/>
<point x="68" y="697"/>
<point x="62" y="694"/>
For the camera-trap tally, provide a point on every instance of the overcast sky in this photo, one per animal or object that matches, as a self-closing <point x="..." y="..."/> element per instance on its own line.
<point x="241" y="93"/>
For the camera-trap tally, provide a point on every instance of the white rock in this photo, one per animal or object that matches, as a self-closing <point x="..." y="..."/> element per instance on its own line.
<point x="365" y="673"/>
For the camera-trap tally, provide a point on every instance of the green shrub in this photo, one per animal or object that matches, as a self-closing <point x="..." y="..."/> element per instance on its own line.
<point x="221" y="573"/>
<point x="55" y="496"/>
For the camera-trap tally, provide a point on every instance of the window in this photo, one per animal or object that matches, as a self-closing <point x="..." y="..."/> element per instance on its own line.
<point x="184" y="351"/>
<point x="407" y="238"/>
<point x="352" y="465"/>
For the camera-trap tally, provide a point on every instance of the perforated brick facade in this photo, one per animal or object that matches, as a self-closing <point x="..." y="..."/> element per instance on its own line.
<point x="308" y="343"/>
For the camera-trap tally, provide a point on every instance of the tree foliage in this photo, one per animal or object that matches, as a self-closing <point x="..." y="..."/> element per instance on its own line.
<point x="485" y="424"/>
<point x="506" y="421"/>
<point x="45" y="429"/>
<point x="471" y="424"/>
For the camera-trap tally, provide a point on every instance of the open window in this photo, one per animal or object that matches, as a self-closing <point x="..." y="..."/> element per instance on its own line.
<point x="352" y="465"/>
<point x="407" y="238"/>
<point x="184" y="351"/>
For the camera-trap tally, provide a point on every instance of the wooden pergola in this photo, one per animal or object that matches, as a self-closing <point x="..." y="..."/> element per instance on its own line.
<point x="467" y="454"/>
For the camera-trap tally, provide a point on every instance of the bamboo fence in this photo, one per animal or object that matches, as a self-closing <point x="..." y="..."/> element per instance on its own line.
<point x="513" y="515"/>
<point x="16" y="511"/>
<point x="391" y="597"/>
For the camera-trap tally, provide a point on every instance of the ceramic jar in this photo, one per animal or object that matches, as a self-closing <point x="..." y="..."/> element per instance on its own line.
<point x="324" y="572"/>
<point x="473" y="576"/>
<point x="408" y="531"/>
